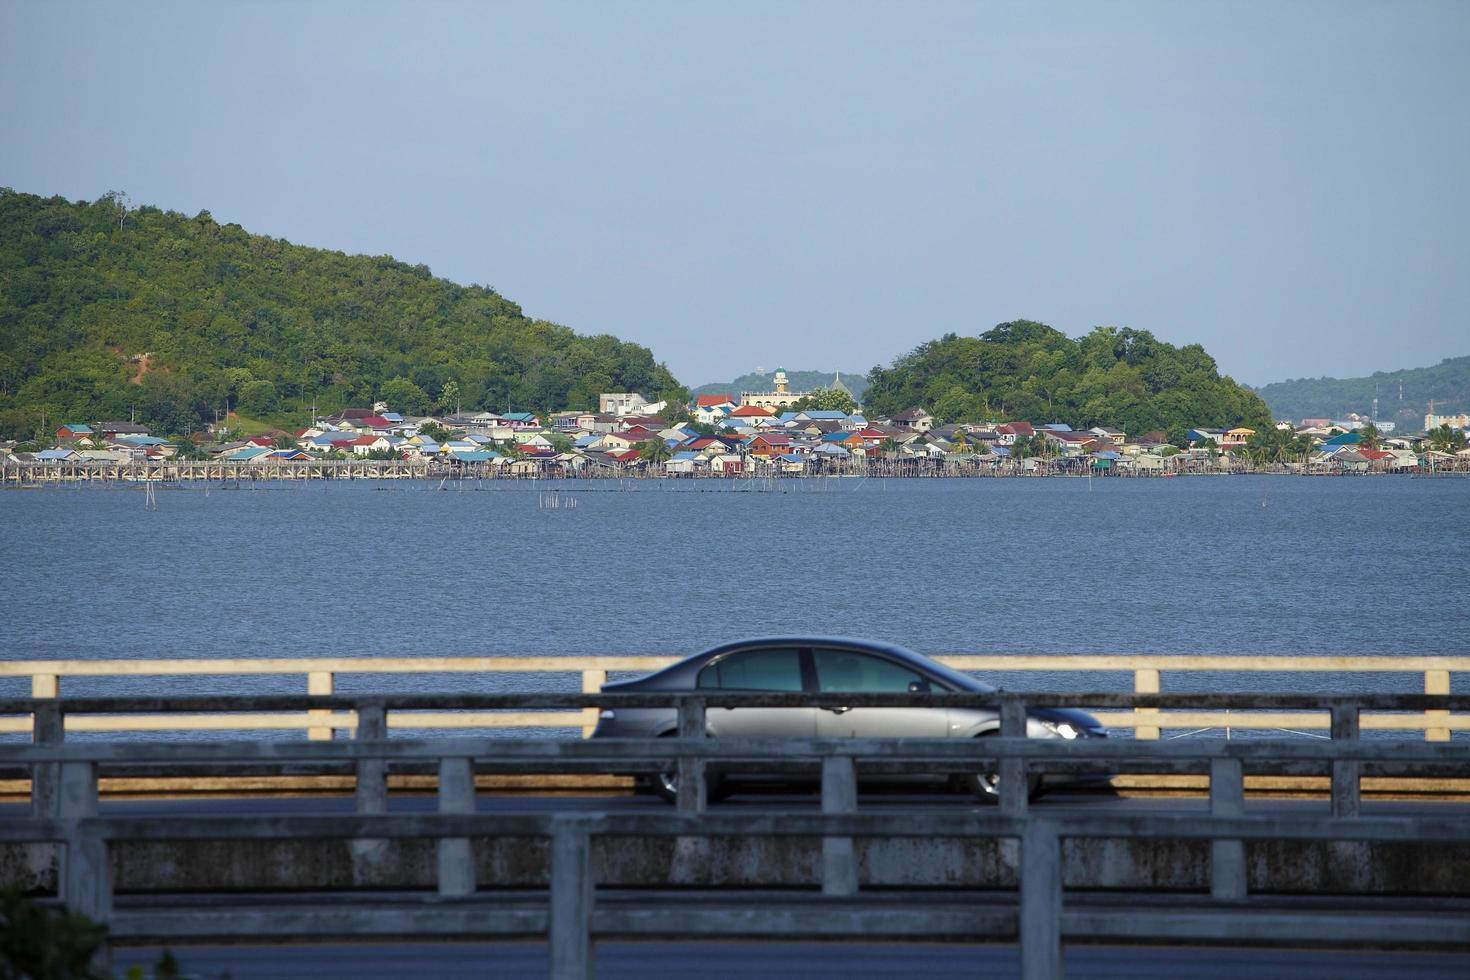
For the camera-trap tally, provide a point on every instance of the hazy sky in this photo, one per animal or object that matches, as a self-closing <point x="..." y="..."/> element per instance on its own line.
<point x="817" y="185"/>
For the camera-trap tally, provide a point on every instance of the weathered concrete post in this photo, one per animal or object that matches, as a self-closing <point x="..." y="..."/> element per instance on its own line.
<point x="1345" y="772"/>
<point x="319" y="682"/>
<point x="371" y="792"/>
<point x="456" y="795"/>
<point x="692" y="795"/>
<point x="47" y="728"/>
<point x="1013" y="781"/>
<point x="839" y="795"/>
<point x="86" y="878"/>
<point x="372" y="782"/>
<point x="1041" y="902"/>
<point x="1227" y="857"/>
<point x="572" y="894"/>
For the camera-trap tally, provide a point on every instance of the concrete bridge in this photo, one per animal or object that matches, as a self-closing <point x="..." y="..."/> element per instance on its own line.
<point x="1022" y="872"/>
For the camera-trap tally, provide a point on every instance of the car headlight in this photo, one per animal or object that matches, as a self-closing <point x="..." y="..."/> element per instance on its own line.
<point x="1061" y="729"/>
<point x="607" y="714"/>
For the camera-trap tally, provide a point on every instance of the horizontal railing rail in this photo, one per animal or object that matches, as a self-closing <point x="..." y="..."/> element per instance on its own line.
<point x="1148" y="670"/>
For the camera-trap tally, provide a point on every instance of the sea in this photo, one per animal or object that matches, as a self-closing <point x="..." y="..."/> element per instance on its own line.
<point x="1191" y="565"/>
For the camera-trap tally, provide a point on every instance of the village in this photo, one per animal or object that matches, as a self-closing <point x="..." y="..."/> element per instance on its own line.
<point x="747" y="435"/>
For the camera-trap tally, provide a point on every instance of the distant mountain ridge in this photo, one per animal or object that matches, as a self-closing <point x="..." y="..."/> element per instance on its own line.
<point x="1403" y="396"/>
<point x="855" y="382"/>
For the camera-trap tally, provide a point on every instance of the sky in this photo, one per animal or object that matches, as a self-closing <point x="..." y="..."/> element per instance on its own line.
<point x="810" y="185"/>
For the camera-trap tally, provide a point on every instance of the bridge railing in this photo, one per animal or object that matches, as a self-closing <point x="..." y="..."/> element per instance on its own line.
<point x="572" y="923"/>
<point x="1148" y="672"/>
<point x="370" y="717"/>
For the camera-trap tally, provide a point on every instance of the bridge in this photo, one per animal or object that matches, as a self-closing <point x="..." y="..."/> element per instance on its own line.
<point x="1020" y="872"/>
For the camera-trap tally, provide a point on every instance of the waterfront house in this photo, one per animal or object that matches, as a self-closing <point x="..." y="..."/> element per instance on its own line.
<point x="1008" y="432"/>
<point x="1116" y="436"/>
<point x="74" y="430"/>
<point x="1236" y="438"/>
<point x="727" y="464"/>
<point x="365" y="444"/>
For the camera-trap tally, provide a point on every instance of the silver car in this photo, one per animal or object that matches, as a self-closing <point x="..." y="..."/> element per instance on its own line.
<point x="827" y="665"/>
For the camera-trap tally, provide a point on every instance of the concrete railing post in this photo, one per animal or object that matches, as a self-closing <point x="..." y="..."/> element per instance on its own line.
<point x="839" y="795"/>
<point x="319" y="682"/>
<point x="1041" y="902"/>
<point x="572" y="894"/>
<point x="1345" y="772"/>
<point x="372" y="780"/>
<point x="592" y="681"/>
<point x="1227" y="857"/>
<point x="1436" y="682"/>
<point x="1013" y="780"/>
<point x="692" y="792"/>
<point x="1145" y="681"/>
<point x="86" y="878"/>
<point x="456" y="858"/>
<point x="47" y="728"/>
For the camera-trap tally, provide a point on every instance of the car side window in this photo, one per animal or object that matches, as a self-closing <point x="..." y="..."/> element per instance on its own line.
<point x="845" y="672"/>
<point x="755" y="670"/>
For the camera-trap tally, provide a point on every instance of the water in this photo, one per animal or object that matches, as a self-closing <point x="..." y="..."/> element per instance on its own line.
<point x="1270" y="565"/>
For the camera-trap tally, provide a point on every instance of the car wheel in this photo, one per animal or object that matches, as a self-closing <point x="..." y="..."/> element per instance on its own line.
<point x="986" y="785"/>
<point x="665" y="785"/>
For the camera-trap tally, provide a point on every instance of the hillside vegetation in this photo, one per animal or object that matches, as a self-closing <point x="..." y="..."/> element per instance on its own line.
<point x="107" y="311"/>
<point x="1447" y="384"/>
<point x="1027" y="370"/>
<point x="855" y="382"/>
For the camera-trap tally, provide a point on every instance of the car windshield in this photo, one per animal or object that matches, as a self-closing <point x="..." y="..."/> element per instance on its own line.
<point x="754" y="670"/>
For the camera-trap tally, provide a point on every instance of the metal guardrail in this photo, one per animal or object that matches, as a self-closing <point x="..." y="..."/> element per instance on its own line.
<point x="1148" y="671"/>
<point x="571" y="920"/>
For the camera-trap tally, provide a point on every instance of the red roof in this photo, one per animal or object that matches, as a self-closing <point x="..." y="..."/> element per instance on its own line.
<point x="625" y="455"/>
<point x="709" y="401"/>
<point x="703" y="442"/>
<point x="1015" y="428"/>
<point x="749" y="411"/>
<point x="1375" y="453"/>
<point x="773" y="439"/>
<point x="363" y="440"/>
<point x="376" y="421"/>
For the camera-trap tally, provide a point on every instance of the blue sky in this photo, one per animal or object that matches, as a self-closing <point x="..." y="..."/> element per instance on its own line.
<point x="820" y="185"/>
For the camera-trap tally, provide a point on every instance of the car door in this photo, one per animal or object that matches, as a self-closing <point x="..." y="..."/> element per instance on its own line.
<point x="850" y="672"/>
<point x="767" y="670"/>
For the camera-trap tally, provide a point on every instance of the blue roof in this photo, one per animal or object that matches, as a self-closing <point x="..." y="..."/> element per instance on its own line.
<point x="586" y="441"/>
<point x="78" y="427"/>
<point x="826" y="414"/>
<point x="55" y="453"/>
<point x="1057" y="427"/>
<point x="791" y="457"/>
<point x="1107" y="454"/>
<point x="836" y="436"/>
<point x="142" y="440"/>
<point x="518" y="416"/>
<point x="474" y="455"/>
<point x="686" y="454"/>
<point x="786" y="416"/>
<point x="827" y="449"/>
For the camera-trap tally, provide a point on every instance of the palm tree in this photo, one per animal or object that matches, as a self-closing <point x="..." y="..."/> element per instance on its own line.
<point x="654" y="451"/>
<point x="1369" y="436"/>
<point x="1446" y="440"/>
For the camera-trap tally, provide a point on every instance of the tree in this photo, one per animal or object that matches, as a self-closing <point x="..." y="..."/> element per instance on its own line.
<point x="654" y="451"/>
<point x="826" y="400"/>
<point x="258" y="398"/>
<point x="284" y="440"/>
<point x="449" y="397"/>
<point x="1369" y="436"/>
<point x="1273" y="445"/>
<point x="438" y="433"/>
<point x="403" y="396"/>
<point x="1446" y="440"/>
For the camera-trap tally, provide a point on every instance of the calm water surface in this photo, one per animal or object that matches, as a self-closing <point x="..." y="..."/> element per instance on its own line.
<point x="1192" y="565"/>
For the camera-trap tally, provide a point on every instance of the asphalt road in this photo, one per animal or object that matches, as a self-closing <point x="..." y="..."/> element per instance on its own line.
<point x="797" y="961"/>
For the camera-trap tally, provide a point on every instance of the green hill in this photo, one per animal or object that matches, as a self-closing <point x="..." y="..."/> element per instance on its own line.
<point x="1403" y="396"/>
<point x="106" y="311"/>
<point x="1027" y="370"/>
<point x="855" y="382"/>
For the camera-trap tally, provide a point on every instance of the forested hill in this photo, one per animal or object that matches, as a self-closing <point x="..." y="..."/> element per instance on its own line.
<point x="1403" y="396"/>
<point x="1027" y="370"/>
<point x="854" y="382"/>
<point x="106" y="311"/>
